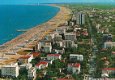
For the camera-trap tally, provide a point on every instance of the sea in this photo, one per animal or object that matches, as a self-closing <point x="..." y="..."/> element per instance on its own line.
<point x="22" y="17"/>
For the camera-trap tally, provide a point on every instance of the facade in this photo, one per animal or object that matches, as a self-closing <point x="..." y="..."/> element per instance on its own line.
<point x="61" y="30"/>
<point x="59" y="43"/>
<point x="68" y="43"/>
<point x="10" y="70"/>
<point x="47" y="49"/>
<point x="53" y="56"/>
<point x="57" y="38"/>
<point x="76" y="57"/>
<point x="61" y="51"/>
<point x="80" y="18"/>
<point x="27" y="66"/>
<point x="35" y="54"/>
<point x="25" y="59"/>
<point x="113" y="54"/>
<point x="49" y="37"/>
<point x="70" y="36"/>
<point x="42" y="65"/>
<point x="48" y="61"/>
<point x="108" y="71"/>
<point x="109" y="44"/>
<point x="74" y="68"/>
<point x="31" y="73"/>
<point x="43" y="43"/>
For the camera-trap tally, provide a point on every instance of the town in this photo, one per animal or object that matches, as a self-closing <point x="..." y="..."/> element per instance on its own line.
<point x="81" y="49"/>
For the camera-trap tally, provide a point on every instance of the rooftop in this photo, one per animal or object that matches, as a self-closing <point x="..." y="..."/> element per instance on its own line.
<point x="113" y="69"/>
<point x="53" y="55"/>
<point x="74" y="64"/>
<point x="36" y="54"/>
<point x="25" y="57"/>
<point x="113" y="52"/>
<point x="42" y="63"/>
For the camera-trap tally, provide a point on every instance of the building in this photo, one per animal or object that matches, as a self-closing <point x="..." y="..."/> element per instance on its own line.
<point x="69" y="43"/>
<point x="80" y="18"/>
<point x="48" y="61"/>
<point x="61" y="50"/>
<point x="31" y="73"/>
<point x="43" y="43"/>
<point x="25" y="59"/>
<point x="49" y="37"/>
<point x="47" y="48"/>
<point x="76" y="57"/>
<point x="109" y="44"/>
<point x="77" y="29"/>
<point x="107" y="37"/>
<point x="53" y="56"/>
<point x="113" y="54"/>
<point x="106" y="72"/>
<point x="10" y="70"/>
<point x="25" y="66"/>
<point x="58" y="43"/>
<point x="35" y="54"/>
<point x="58" y="38"/>
<point x="70" y="36"/>
<point x="74" y="68"/>
<point x="41" y="65"/>
<point x="61" y="30"/>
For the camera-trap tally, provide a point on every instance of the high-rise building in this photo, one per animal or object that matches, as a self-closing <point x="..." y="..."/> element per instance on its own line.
<point x="10" y="70"/>
<point x="80" y="18"/>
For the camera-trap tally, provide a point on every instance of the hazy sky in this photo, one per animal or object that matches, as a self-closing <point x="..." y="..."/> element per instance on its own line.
<point x="50" y="1"/>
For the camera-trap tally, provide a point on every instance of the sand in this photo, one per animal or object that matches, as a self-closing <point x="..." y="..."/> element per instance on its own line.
<point x="32" y="36"/>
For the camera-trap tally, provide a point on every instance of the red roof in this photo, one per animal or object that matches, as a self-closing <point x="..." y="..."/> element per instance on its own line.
<point x="42" y="62"/>
<point x="25" y="57"/>
<point x="53" y="54"/>
<point x="75" y="65"/>
<point x="113" y="52"/>
<point x="62" y="79"/>
<point x="36" y="54"/>
<point x="108" y="69"/>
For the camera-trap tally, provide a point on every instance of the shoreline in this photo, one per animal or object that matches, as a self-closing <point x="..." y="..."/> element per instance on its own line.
<point x="29" y="30"/>
<point x="36" y="33"/>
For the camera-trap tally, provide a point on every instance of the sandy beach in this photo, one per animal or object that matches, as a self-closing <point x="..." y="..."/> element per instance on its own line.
<point x="32" y="36"/>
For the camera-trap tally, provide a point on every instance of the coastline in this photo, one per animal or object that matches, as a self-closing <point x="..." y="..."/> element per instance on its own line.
<point x="38" y="32"/>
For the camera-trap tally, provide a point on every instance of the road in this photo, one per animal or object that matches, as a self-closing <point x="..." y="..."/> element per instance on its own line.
<point x="93" y="48"/>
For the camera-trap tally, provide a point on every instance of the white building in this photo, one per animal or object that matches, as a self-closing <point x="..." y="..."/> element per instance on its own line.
<point x="69" y="43"/>
<point x="53" y="56"/>
<point x="76" y="29"/>
<point x="25" y="59"/>
<point x="70" y="36"/>
<point x="49" y="36"/>
<point x="59" y="43"/>
<point x="109" y="44"/>
<point x="58" y="38"/>
<point x="61" y="30"/>
<point x="32" y="73"/>
<point x="47" y="48"/>
<point x="74" y="68"/>
<point x="61" y="51"/>
<point x="10" y="70"/>
<point x="27" y="66"/>
<point x="76" y="57"/>
<point x="43" y="43"/>
<point x="41" y="65"/>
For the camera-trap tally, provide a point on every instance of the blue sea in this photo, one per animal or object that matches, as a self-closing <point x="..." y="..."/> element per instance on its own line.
<point x="17" y="17"/>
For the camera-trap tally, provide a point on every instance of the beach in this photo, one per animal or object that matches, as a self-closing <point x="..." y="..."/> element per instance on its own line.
<point x="33" y="35"/>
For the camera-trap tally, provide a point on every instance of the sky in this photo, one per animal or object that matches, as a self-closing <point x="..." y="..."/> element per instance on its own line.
<point x="53" y="1"/>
